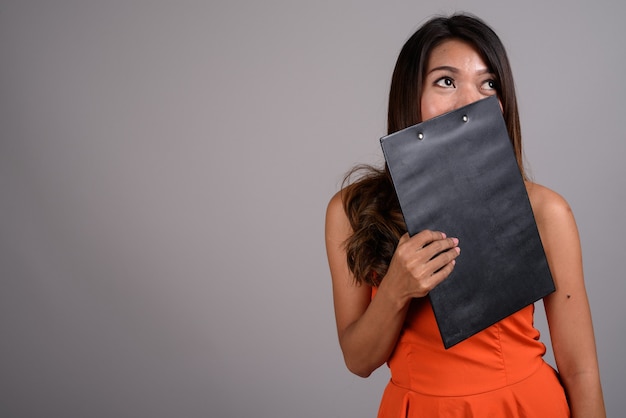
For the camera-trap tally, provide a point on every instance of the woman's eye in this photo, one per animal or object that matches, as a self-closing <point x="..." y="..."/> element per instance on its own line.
<point x="489" y="85"/>
<point x="446" y="82"/>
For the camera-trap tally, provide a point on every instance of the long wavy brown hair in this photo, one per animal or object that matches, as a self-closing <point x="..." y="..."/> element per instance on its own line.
<point x="369" y="200"/>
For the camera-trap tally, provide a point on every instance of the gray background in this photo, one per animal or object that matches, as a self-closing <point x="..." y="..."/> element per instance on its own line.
<point x="164" y="172"/>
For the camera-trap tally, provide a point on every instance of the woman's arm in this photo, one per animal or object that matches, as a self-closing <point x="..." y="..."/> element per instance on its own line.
<point x="368" y="328"/>
<point x="567" y="309"/>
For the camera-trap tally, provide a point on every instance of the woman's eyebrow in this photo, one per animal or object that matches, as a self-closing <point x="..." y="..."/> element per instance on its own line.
<point x="444" y="68"/>
<point x="455" y="70"/>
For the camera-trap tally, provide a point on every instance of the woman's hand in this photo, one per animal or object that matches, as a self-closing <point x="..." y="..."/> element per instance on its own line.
<point x="419" y="264"/>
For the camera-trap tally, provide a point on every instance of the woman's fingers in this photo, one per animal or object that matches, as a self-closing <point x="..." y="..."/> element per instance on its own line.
<point x="424" y="238"/>
<point x="442" y="264"/>
<point x="429" y="244"/>
<point x="427" y="258"/>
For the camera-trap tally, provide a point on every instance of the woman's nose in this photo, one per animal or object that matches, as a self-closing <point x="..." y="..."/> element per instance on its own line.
<point x="466" y="95"/>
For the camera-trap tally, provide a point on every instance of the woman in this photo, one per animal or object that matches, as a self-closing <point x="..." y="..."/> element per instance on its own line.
<point x="381" y="276"/>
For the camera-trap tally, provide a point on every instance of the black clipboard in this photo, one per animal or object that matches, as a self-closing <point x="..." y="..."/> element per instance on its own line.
<point x="457" y="173"/>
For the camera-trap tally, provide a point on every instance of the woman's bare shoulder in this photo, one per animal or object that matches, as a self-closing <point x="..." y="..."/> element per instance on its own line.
<point x="553" y="214"/>
<point x="335" y="207"/>
<point x="546" y="203"/>
<point x="336" y="202"/>
<point x="337" y="223"/>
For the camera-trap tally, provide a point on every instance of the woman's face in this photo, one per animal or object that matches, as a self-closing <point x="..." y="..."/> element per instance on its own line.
<point x="456" y="75"/>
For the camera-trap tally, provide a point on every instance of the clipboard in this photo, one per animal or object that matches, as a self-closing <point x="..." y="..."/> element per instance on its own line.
<point x="457" y="173"/>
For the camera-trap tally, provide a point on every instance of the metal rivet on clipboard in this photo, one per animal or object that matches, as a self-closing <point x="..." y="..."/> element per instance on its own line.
<point x="420" y="136"/>
<point x="465" y="118"/>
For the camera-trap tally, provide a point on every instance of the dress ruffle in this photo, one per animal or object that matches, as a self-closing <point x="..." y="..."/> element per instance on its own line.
<point x="540" y="395"/>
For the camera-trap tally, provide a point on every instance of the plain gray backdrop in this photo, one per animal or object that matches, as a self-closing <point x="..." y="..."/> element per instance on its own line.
<point x="164" y="172"/>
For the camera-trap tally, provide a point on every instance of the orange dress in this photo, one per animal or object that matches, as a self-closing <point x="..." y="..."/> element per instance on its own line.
<point x="499" y="372"/>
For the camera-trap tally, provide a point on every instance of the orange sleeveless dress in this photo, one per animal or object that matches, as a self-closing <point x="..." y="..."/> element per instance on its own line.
<point x="499" y="372"/>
